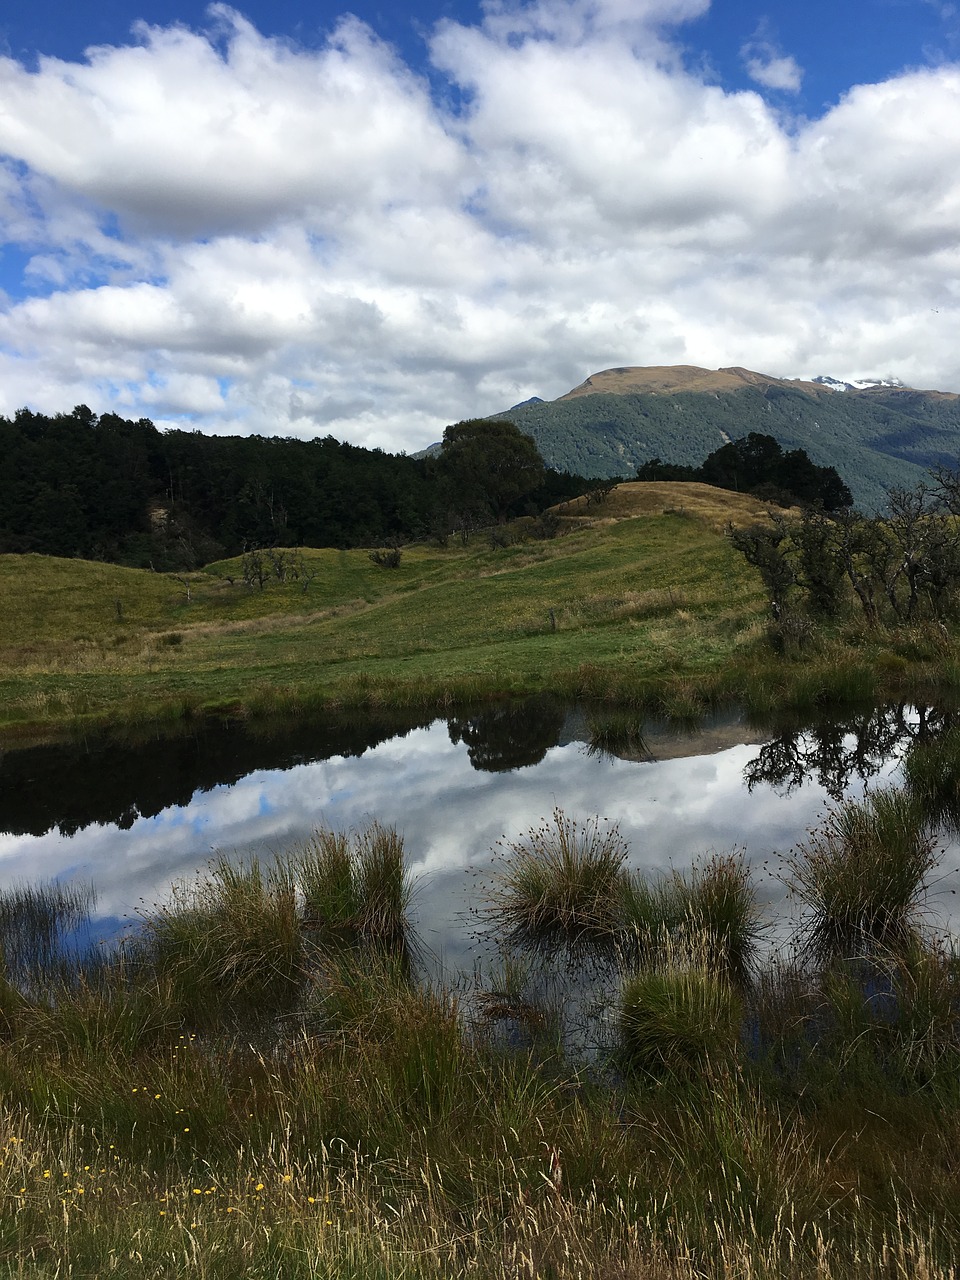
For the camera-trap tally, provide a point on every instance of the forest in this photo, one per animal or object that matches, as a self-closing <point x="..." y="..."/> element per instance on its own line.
<point x="756" y="464"/>
<point x="107" y="488"/>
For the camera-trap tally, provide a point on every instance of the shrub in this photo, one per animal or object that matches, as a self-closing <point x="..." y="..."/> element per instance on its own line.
<point x="387" y="557"/>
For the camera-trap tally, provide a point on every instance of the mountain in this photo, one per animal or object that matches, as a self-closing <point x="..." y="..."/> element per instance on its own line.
<point x="878" y="434"/>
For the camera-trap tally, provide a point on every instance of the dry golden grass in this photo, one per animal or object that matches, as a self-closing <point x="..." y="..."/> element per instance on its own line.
<point x="717" y="508"/>
<point x="674" y="378"/>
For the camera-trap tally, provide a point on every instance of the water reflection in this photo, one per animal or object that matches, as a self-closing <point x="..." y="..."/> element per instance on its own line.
<point x="69" y="786"/>
<point x="131" y="818"/>
<point x="513" y="736"/>
<point x="854" y="748"/>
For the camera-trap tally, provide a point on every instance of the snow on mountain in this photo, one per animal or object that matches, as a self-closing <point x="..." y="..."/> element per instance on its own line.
<point x="857" y="384"/>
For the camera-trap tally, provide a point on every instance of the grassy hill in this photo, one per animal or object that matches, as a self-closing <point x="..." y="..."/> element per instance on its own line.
<point x="644" y="584"/>
<point x="876" y="439"/>
<point x="640" y="598"/>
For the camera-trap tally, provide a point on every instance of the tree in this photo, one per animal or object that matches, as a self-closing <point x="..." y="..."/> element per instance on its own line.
<point x="757" y="464"/>
<point x="492" y="465"/>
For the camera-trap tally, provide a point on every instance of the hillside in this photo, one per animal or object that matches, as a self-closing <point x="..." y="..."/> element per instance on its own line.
<point x="878" y="438"/>
<point x="630" y="588"/>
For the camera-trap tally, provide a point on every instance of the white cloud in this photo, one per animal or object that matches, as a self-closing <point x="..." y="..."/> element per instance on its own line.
<point x="767" y="67"/>
<point x="272" y="238"/>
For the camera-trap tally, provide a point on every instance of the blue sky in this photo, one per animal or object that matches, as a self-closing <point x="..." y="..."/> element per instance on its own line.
<point x="300" y="219"/>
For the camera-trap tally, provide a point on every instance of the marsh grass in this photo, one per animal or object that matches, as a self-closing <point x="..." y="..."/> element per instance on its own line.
<point x="680" y="1018"/>
<point x="355" y="888"/>
<point x="931" y="773"/>
<point x="229" y="941"/>
<point x="617" y="733"/>
<point x="561" y="884"/>
<point x="38" y="927"/>
<point x="384" y="1129"/>
<point x="242" y="936"/>
<point x="714" y="905"/>
<point x="861" y="877"/>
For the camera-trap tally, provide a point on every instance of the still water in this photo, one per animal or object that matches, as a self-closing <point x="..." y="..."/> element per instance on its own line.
<point x="132" y="818"/>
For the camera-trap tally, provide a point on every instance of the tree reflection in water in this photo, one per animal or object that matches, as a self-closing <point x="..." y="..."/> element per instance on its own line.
<point x="509" y="736"/>
<point x="838" y="752"/>
<point x="69" y="786"/>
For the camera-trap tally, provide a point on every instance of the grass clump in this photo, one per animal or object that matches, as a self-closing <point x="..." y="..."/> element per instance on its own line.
<point x="355" y="889"/>
<point x="562" y="883"/>
<point x="931" y="772"/>
<point x="679" y="1019"/>
<point x="713" y="906"/>
<point x="244" y="936"/>
<point x="229" y="941"/>
<point x="36" y="923"/>
<point x="862" y="877"/>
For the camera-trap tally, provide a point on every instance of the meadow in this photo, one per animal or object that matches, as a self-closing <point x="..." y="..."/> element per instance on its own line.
<point x="639" y="601"/>
<point x="259" y="1082"/>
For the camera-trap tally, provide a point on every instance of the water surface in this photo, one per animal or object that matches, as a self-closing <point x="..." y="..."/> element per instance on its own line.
<point x="132" y="818"/>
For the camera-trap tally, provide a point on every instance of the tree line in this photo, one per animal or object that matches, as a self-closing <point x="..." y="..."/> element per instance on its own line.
<point x="108" y="488"/>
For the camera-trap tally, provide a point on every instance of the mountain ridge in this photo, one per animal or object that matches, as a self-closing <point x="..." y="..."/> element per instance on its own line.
<point x="877" y="436"/>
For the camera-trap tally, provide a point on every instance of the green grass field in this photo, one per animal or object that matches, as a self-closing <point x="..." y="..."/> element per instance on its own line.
<point x="634" y="600"/>
<point x="632" y="591"/>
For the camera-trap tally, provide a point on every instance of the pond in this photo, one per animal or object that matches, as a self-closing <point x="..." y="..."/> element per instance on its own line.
<point x="131" y="818"/>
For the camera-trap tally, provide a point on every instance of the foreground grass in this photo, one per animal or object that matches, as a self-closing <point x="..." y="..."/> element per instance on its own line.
<point x="256" y="1085"/>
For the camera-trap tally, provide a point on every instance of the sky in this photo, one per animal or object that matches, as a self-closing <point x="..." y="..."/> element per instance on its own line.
<point x="303" y="220"/>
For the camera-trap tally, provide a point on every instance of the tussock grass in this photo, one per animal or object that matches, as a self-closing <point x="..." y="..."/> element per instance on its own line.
<point x="355" y="889"/>
<point x="862" y="876"/>
<point x="227" y="942"/>
<point x="714" y="905"/>
<point x="566" y="884"/>
<point x="617" y="732"/>
<point x="931" y="774"/>
<point x="680" y="1018"/>
<point x="561" y="883"/>
<point x="36" y="922"/>
<point x="241" y="937"/>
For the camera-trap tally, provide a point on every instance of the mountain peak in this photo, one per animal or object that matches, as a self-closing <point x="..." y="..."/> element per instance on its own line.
<point x="674" y="378"/>
<point x="859" y="384"/>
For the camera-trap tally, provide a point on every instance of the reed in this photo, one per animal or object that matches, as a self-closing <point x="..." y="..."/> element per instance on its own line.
<point x="37" y="925"/>
<point x="714" y="905"/>
<point x="931" y="772"/>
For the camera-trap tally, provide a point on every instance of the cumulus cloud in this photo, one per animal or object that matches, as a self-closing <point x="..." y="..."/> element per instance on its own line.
<point x="259" y="236"/>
